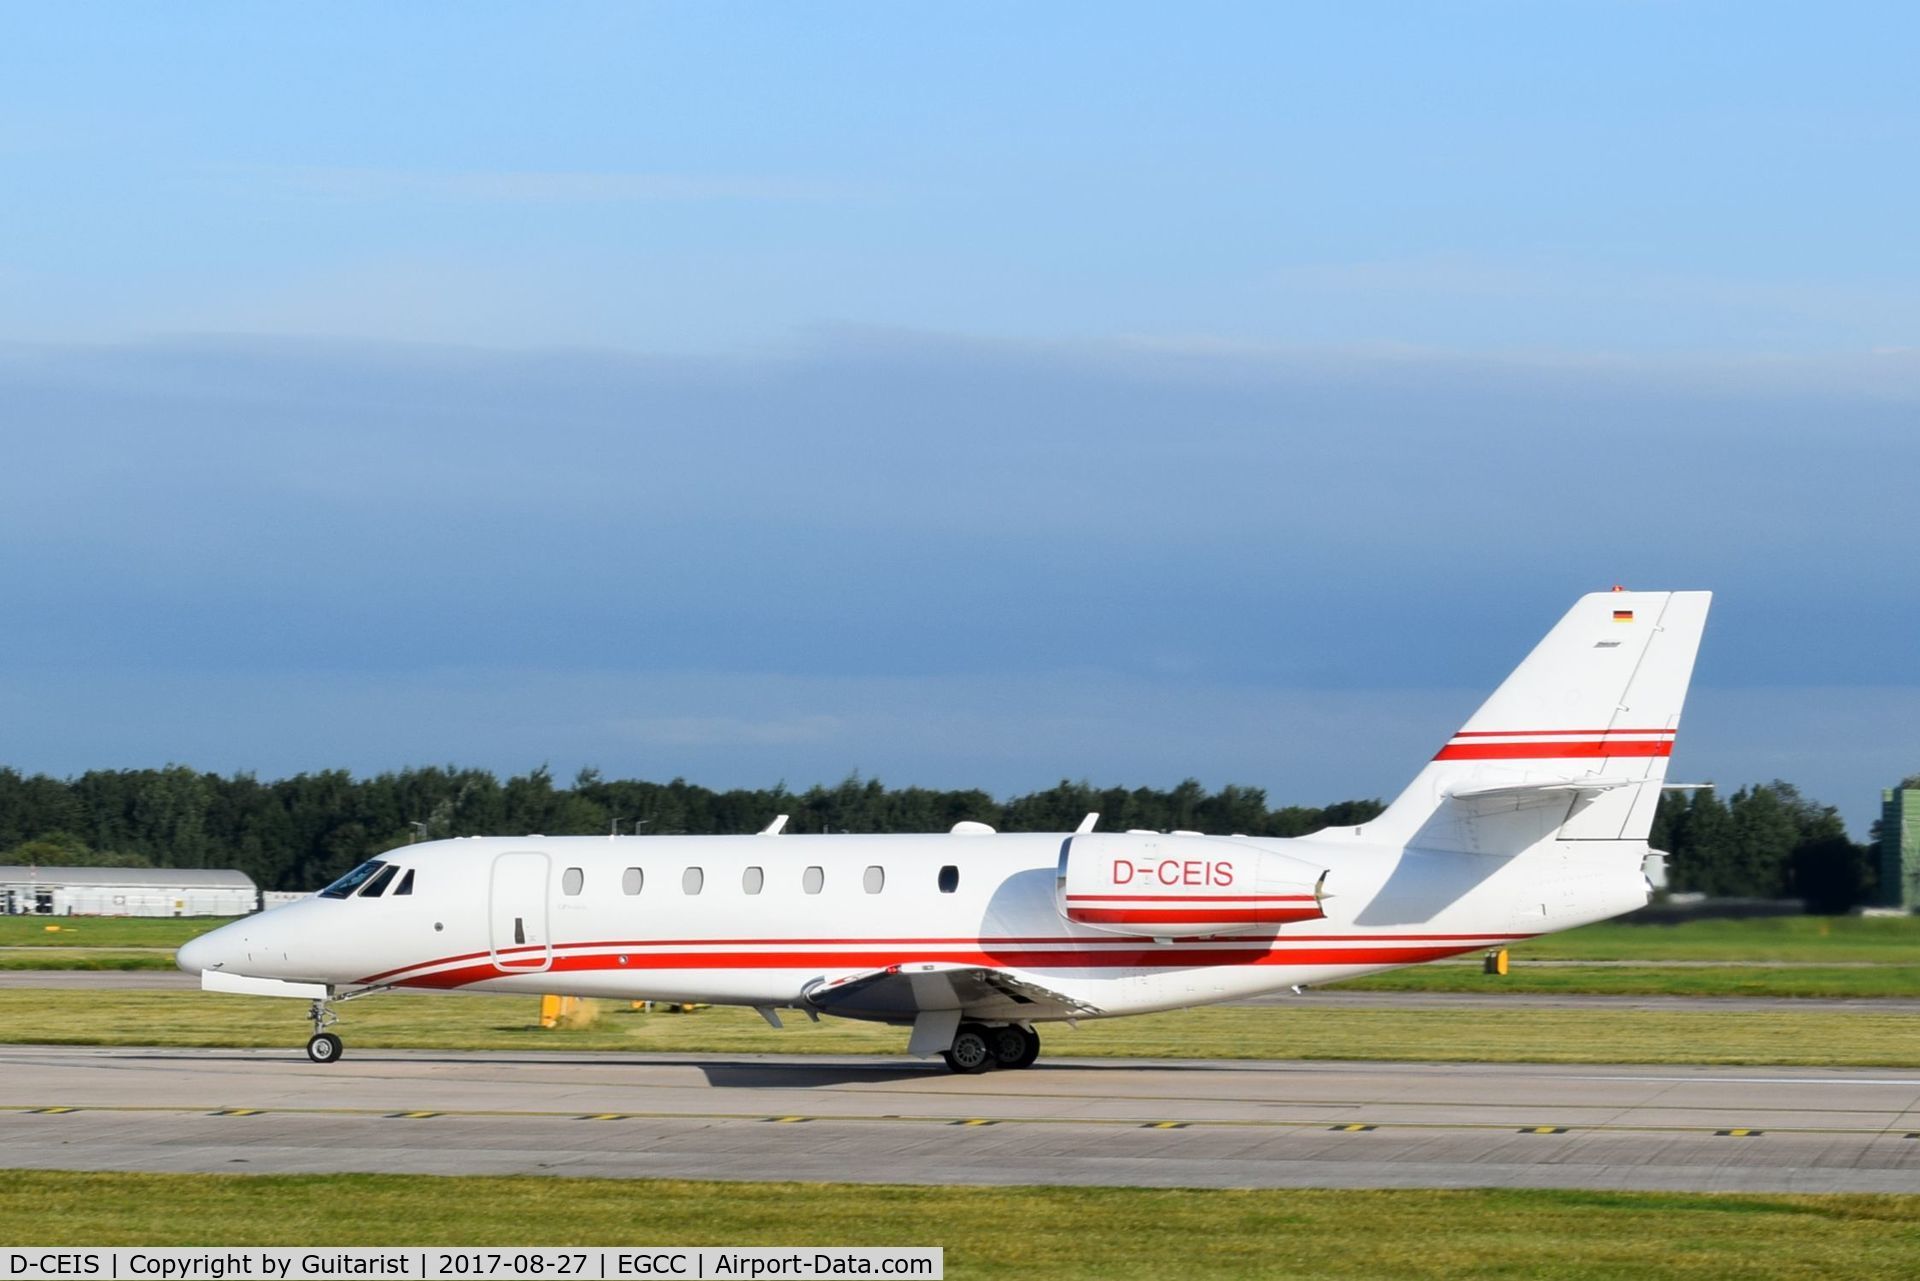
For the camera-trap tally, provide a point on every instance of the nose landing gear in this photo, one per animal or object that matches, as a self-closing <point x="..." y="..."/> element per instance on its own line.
<point x="323" y="1046"/>
<point x="978" y="1048"/>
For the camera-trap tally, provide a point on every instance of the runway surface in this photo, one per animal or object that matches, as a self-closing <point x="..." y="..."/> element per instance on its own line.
<point x="1160" y="1123"/>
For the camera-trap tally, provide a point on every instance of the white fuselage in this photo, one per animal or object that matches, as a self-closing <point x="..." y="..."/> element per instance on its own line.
<point x="746" y="920"/>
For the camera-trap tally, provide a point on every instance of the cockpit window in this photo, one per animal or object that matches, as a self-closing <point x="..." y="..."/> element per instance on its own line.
<point x="406" y="884"/>
<point x="378" y="885"/>
<point x="352" y="880"/>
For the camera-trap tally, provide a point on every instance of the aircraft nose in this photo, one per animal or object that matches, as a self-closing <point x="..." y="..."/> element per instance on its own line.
<point x="198" y="954"/>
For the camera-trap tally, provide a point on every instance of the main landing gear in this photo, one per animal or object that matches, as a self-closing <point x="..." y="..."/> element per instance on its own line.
<point x="978" y="1048"/>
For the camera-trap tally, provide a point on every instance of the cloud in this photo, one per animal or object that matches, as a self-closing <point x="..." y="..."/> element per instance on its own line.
<point x="932" y="559"/>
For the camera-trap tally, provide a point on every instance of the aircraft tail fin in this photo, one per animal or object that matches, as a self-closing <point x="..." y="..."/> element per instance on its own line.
<point x="1574" y="744"/>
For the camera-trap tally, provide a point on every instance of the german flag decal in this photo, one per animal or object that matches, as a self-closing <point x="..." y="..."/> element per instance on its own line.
<point x="1623" y="616"/>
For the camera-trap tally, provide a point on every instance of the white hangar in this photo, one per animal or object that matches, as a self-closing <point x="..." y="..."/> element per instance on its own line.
<point x="126" y="891"/>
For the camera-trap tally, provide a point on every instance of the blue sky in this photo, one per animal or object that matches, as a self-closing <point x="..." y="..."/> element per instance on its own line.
<point x="966" y="398"/>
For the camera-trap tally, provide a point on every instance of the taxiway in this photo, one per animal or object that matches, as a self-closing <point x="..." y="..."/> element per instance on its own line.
<point x="1149" y="1123"/>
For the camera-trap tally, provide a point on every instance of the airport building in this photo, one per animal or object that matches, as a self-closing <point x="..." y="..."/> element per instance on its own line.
<point x="1900" y="848"/>
<point x="126" y="891"/>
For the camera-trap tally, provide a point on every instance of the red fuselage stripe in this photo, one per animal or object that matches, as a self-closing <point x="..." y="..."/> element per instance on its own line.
<point x="1563" y="749"/>
<point x="1193" y="916"/>
<point x="1135" y="958"/>
<point x="1066" y="950"/>
<point x="1562" y="733"/>
<point x="1191" y="898"/>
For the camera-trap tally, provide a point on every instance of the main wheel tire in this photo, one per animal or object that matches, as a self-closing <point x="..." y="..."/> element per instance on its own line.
<point x="1014" y="1046"/>
<point x="1029" y="1049"/>
<point x="325" y="1047"/>
<point x="971" y="1053"/>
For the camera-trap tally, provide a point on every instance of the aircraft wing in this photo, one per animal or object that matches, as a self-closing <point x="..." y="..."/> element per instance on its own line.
<point x="900" y="993"/>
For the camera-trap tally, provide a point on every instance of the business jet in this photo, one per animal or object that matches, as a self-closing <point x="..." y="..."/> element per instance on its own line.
<point x="1533" y="818"/>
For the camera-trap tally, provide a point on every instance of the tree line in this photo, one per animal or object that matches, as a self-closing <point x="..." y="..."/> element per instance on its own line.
<point x="298" y="833"/>
<point x="1765" y="841"/>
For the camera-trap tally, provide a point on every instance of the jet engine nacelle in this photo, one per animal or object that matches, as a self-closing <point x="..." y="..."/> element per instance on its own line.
<point x="1182" y="886"/>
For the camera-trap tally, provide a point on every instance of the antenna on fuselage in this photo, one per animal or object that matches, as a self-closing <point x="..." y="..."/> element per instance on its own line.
<point x="1086" y="824"/>
<point x="776" y="827"/>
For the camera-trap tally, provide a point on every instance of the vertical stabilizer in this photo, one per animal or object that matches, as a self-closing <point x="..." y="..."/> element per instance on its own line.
<point x="1574" y="744"/>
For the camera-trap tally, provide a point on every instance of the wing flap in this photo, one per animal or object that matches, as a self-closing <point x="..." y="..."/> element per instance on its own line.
<point x="900" y="992"/>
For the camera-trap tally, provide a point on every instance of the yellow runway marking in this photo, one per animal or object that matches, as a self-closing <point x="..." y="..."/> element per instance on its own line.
<point x="1246" y="1123"/>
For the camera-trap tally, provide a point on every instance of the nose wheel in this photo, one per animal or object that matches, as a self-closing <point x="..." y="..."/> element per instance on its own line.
<point x="323" y="1046"/>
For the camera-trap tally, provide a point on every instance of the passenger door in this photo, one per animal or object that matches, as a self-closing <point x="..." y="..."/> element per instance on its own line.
<point x="517" y="913"/>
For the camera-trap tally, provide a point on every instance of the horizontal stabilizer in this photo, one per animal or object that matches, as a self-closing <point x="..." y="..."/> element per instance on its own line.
<point x="1549" y="789"/>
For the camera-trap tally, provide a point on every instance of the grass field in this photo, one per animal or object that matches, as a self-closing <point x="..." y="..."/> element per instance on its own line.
<point x="1064" y="1233"/>
<point x="1568" y="978"/>
<point x="1651" y="979"/>
<point x="508" y="1023"/>
<point x="1805" y="956"/>
<point x="85" y="958"/>
<point x="104" y="931"/>
<point x="1805" y="940"/>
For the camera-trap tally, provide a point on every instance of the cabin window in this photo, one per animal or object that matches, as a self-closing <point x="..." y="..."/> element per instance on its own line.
<point x="406" y="884"/>
<point x="875" y="880"/>
<point x="352" y="880"/>
<point x="378" y="885"/>
<point x="812" y="879"/>
<point x="571" y="880"/>
<point x="753" y="880"/>
<point x="631" y="880"/>
<point x="692" y="880"/>
<point x="949" y="879"/>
